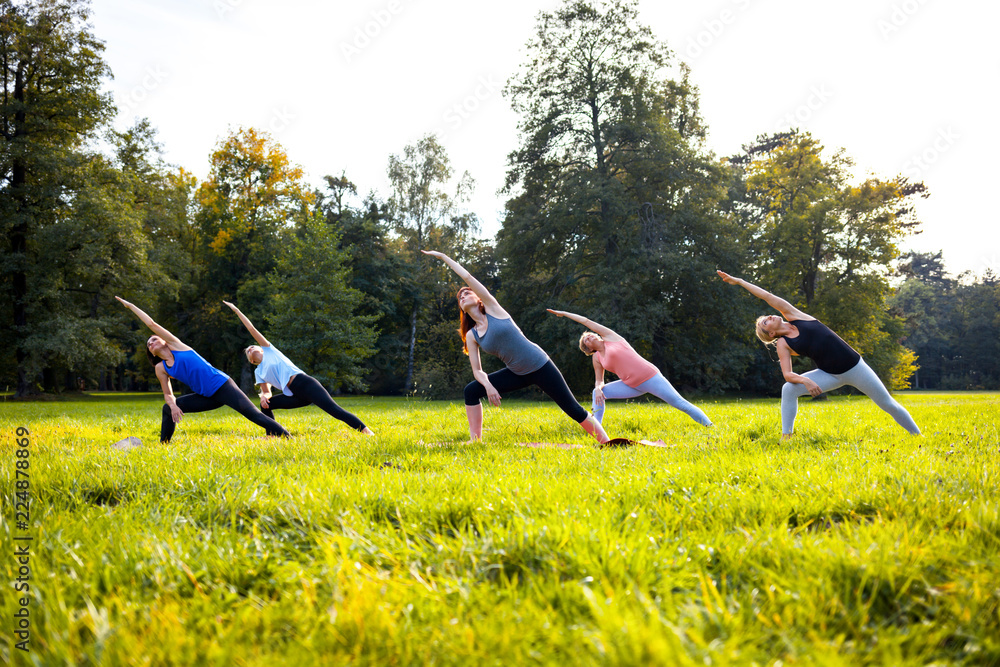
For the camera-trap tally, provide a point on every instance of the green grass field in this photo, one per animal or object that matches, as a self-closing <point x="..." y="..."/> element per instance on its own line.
<point x="854" y="543"/>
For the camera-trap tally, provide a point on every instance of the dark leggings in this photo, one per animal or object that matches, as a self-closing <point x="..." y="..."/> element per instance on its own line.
<point x="547" y="378"/>
<point x="228" y="394"/>
<point x="308" y="391"/>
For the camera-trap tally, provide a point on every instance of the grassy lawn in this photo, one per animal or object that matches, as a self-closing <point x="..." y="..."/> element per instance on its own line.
<point x="854" y="543"/>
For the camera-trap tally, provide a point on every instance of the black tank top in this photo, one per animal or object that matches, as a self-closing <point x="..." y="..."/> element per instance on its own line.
<point x="825" y="348"/>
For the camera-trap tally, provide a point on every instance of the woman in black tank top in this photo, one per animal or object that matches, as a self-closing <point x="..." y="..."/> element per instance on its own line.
<point x="837" y="363"/>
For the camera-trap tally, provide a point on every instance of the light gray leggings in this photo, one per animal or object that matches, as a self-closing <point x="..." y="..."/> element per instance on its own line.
<point x="860" y="377"/>
<point x="658" y="386"/>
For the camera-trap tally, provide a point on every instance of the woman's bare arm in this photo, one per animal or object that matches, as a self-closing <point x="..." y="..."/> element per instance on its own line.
<point x="603" y="331"/>
<point x="492" y="305"/>
<point x="787" y="310"/>
<point x="477" y="370"/>
<point x="168" y="393"/>
<point x="598" y="381"/>
<point x="257" y="336"/>
<point x="785" y="358"/>
<point x="171" y="340"/>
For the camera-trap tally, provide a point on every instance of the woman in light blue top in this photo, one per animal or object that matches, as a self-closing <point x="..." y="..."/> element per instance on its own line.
<point x="298" y="390"/>
<point x="212" y="388"/>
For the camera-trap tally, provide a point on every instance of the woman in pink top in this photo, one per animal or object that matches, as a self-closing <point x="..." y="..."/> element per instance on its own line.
<point x="613" y="353"/>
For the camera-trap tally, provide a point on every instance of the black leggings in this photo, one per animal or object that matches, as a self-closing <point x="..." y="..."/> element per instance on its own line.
<point x="308" y="391"/>
<point x="228" y="394"/>
<point x="547" y="378"/>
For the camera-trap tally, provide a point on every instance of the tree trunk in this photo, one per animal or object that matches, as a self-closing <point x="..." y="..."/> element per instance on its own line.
<point x="408" y="385"/>
<point x="19" y="242"/>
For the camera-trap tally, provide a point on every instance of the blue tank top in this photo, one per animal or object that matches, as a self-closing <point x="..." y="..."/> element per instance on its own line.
<point x="195" y="372"/>
<point x="503" y="339"/>
<point x="828" y="350"/>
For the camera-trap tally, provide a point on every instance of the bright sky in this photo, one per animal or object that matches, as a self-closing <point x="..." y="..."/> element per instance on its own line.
<point x="906" y="86"/>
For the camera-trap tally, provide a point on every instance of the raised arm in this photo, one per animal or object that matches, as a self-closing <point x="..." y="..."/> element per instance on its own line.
<point x="257" y="336"/>
<point x="603" y="331"/>
<point x="477" y="287"/>
<point x="787" y="310"/>
<point x="168" y="337"/>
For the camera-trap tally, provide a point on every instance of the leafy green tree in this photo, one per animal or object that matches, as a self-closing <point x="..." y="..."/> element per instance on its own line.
<point x="379" y="271"/>
<point x="824" y="243"/>
<point x="246" y="212"/>
<point x="426" y="216"/>
<point x="614" y="208"/>
<point x="953" y="326"/>
<point x="51" y="106"/>
<point x="312" y="310"/>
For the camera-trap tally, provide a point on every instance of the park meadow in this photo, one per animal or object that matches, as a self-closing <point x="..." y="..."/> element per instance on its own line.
<point x="853" y="543"/>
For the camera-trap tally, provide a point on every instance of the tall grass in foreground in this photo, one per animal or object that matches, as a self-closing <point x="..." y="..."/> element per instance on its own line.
<point x="854" y="543"/>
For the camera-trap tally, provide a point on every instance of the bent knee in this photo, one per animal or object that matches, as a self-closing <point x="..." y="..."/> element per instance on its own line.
<point x="474" y="392"/>
<point x="789" y="390"/>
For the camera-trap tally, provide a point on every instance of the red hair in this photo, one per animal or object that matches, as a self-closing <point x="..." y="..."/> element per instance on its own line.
<point x="464" y="321"/>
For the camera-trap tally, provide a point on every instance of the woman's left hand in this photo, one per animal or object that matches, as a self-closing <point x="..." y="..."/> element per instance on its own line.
<point x="557" y="313"/>
<point x="434" y="253"/>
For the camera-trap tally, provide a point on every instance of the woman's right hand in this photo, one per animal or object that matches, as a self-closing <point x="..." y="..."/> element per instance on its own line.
<point x="493" y="395"/>
<point x="728" y="278"/>
<point x="557" y="313"/>
<point x="598" y="396"/>
<point x="264" y="402"/>
<point x="229" y="304"/>
<point x="434" y="253"/>
<point x="124" y="302"/>
<point x="814" y="389"/>
<point x="176" y="413"/>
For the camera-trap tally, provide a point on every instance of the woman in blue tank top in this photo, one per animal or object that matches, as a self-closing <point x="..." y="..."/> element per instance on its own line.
<point x="485" y="325"/>
<point x="212" y="388"/>
<point x="297" y="389"/>
<point x="837" y="363"/>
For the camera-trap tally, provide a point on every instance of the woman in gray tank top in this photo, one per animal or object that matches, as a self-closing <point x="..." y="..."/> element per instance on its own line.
<point x="485" y="325"/>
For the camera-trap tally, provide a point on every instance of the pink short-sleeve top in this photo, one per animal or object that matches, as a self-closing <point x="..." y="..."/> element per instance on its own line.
<point x="623" y="361"/>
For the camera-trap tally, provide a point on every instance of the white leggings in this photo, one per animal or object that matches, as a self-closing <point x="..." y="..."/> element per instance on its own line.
<point x="860" y="377"/>
<point x="657" y="386"/>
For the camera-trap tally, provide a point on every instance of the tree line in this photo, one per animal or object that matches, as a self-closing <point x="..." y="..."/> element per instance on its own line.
<point x="615" y="209"/>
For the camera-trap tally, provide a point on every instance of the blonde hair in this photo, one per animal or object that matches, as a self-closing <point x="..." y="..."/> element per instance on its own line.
<point x="765" y="337"/>
<point x="583" y="348"/>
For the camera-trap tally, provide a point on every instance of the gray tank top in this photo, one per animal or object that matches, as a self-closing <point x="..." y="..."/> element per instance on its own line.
<point x="505" y="340"/>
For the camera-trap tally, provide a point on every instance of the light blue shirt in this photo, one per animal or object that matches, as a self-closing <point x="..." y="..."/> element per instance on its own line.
<point x="275" y="369"/>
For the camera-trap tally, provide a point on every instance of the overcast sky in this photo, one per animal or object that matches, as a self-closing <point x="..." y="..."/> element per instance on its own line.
<point x="906" y="86"/>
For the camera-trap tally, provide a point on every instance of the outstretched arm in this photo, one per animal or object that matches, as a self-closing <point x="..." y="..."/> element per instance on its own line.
<point x="477" y="287"/>
<point x="168" y="337"/>
<point x="600" y="329"/>
<point x="257" y="336"/>
<point x="788" y="311"/>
